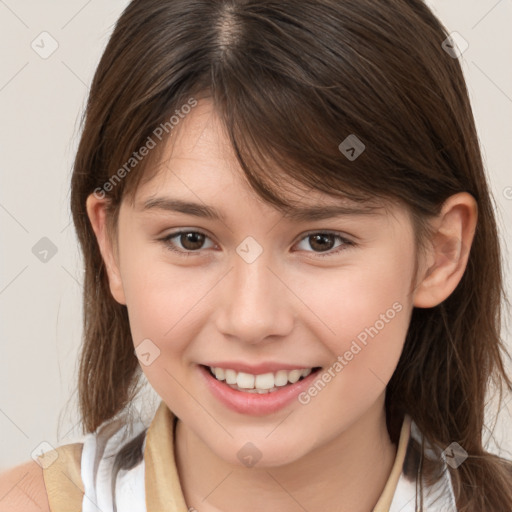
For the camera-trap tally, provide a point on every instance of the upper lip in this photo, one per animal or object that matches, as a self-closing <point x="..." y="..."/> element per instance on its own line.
<point x="257" y="369"/>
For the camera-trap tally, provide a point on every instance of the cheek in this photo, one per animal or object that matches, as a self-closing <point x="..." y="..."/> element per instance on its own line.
<point x="160" y="300"/>
<point x="352" y="297"/>
<point x="143" y="281"/>
<point x="164" y="300"/>
<point x="365" y="312"/>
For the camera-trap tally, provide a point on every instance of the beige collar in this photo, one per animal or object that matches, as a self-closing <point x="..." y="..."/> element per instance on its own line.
<point x="162" y="486"/>
<point x="160" y="466"/>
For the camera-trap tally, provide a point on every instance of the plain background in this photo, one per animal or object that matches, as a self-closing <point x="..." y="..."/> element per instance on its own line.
<point x="41" y="101"/>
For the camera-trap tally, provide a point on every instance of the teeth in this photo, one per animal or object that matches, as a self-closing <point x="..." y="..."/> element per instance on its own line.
<point x="245" y="380"/>
<point x="294" y="376"/>
<point x="219" y="373"/>
<point x="230" y="376"/>
<point x="281" y="378"/>
<point x="259" y="383"/>
<point x="265" y="381"/>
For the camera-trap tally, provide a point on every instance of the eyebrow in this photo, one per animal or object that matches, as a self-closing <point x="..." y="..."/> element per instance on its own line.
<point x="298" y="214"/>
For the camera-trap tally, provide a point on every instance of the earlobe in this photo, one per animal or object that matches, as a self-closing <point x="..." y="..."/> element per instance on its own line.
<point x="449" y="250"/>
<point x="96" y="211"/>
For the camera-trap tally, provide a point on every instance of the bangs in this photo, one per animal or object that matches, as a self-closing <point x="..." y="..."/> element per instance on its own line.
<point x="297" y="93"/>
<point x="281" y="159"/>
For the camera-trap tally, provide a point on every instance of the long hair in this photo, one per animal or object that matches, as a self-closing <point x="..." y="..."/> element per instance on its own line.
<point x="290" y="81"/>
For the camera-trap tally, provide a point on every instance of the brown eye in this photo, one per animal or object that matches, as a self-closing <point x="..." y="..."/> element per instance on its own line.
<point x="185" y="243"/>
<point x="191" y="241"/>
<point x="322" y="242"/>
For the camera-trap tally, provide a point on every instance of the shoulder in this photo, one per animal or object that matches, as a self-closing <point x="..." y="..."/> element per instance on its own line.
<point x="52" y="483"/>
<point x="22" y="489"/>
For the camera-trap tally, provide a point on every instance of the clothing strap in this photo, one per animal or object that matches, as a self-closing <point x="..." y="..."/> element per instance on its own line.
<point x="62" y="477"/>
<point x="163" y="490"/>
<point x="384" y="503"/>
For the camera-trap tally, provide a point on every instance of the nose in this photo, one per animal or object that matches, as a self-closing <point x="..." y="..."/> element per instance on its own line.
<point x="255" y="303"/>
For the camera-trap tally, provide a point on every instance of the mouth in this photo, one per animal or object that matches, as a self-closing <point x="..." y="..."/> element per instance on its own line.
<point x="263" y="383"/>
<point x="250" y="398"/>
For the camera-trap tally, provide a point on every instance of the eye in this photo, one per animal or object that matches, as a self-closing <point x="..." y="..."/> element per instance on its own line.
<point x="190" y="241"/>
<point x="324" y="241"/>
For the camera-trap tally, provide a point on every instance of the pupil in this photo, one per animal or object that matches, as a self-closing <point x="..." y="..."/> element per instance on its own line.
<point x="322" y="237"/>
<point x="194" y="239"/>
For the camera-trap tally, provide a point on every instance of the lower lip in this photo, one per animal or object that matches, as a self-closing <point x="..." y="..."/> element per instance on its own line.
<point x="255" y="404"/>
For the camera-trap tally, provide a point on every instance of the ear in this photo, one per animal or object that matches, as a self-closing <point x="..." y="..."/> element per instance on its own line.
<point x="454" y="229"/>
<point x="96" y="210"/>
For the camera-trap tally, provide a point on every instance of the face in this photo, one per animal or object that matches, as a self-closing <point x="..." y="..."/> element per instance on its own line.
<point x="257" y="287"/>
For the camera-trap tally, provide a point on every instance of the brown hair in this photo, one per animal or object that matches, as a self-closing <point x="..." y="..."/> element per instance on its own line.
<point x="290" y="80"/>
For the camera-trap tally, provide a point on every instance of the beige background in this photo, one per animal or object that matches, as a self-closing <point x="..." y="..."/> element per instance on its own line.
<point x="40" y="104"/>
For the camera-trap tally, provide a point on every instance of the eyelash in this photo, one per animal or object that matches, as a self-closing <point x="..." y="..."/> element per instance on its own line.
<point x="347" y="244"/>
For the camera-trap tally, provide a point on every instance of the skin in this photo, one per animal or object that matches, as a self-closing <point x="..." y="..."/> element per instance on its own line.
<point x="290" y="305"/>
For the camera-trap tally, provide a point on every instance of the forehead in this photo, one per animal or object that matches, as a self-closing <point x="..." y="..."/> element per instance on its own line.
<point x="199" y="174"/>
<point x="198" y="148"/>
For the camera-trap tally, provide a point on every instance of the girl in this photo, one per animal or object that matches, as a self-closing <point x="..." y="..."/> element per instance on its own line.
<point x="286" y="229"/>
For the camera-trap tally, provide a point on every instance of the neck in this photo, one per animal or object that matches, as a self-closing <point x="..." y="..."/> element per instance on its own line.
<point x="346" y="474"/>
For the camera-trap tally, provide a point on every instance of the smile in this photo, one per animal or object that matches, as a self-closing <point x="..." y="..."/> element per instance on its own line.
<point x="260" y="394"/>
<point x="263" y="383"/>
